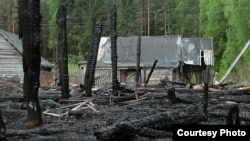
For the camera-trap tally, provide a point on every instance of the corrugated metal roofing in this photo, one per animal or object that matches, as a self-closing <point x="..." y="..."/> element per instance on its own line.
<point x="166" y="50"/>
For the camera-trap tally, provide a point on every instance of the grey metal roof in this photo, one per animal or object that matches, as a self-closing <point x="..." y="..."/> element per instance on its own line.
<point x="17" y="43"/>
<point x="162" y="48"/>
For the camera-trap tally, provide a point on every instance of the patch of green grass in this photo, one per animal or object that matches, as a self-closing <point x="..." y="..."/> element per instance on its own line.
<point x="73" y="73"/>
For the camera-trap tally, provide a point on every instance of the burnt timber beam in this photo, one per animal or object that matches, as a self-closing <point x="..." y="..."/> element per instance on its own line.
<point x="151" y="71"/>
<point x="138" y="54"/>
<point x="30" y="28"/>
<point x="114" y="58"/>
<point x="63" y="51"/>
<point x="159" y="121"/>
<point x="92" y="58"/>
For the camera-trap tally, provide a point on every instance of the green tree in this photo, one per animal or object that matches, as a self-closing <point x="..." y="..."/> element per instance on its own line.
<point x="9" y="16"/>
<point x="52" y="43"/>
<point x="185" y="18"/>
<point x="214" y="24"/>
<point x="128" y="17"/>
<point x="82" y="16"/>
<point x="237" y="35"/>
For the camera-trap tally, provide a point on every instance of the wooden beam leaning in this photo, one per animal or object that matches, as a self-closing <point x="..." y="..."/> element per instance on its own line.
<point x="92" y="58"/>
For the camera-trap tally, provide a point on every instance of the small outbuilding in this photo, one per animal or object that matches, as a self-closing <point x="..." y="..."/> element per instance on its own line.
<point x="11" y="60"/>
<point x="178" y="59"/>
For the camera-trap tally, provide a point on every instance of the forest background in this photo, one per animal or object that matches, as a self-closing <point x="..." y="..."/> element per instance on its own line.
<point x="227" y="21"/>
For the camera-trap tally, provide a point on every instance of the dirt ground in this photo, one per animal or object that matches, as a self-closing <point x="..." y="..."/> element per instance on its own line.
<point x="95" y="118"/>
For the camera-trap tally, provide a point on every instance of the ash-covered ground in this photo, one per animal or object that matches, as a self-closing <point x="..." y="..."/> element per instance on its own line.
<point x="149" y="114"/>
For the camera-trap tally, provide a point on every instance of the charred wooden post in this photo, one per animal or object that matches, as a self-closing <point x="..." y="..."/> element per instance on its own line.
<point x="21" y="4"/>
<point x="23" y="15"/>
<point x="31" y="58"/>
<point x="233" y="116"/>
<point x="171" y="95"/>
<point x="144" y="74"/>
<point x="63" y="51"/>
<point x="90" y="54"/>
<point x="138" y="54"/>
<point x="2" y="128"/>
<point x="205" y="81"/>
<point x="114" y="58"/>
<point x="151" y="71"/>
<point x="92" y="58"/>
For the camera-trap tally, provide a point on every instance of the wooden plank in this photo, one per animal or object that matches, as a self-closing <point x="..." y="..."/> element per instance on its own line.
<point x="11" y="59"/>
<point x="8" y="53"/>
<point x="5" y="46"/>
<point x="19" y="68"/>
<point x="16" y="60"/>
<point x="3" y="65"/>
<point x="11" y="71"/>
<point x="11" y="68"/>
<point x="9" y="50"/>
<point x="11" y="62"/>
<point x="9" y="56"/>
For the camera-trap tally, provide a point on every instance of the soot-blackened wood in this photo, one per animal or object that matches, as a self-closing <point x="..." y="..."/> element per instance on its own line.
<point x="2" y="128"/>
<point x="144" y="74"/>
<point x="18" y="98"/>
<point x="161" y="121"/>
<point x="205" y="81"/>
<point x="23" y="33"/>
<point x="151" y="71"/>
<point x="205" y="99"/>
<point x="138" y="54"/>
<point x="171" y="95"/>
<point x="114" y="58"/>
<point x="31" y="58"/>
<point x="233" y="116"/>
<point x="21" y="4"/>
<point x="92" y="58"/>
<point x="88" y="69"/>
<point x="39" y="131"/>
<point x="63" y="51"/>
<point x="153" y="133"/>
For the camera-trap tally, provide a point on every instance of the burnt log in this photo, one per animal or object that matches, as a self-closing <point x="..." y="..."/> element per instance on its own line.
<point x="244" y="115"/>
<point x="154" y="133"/>
<point x="161" y="121"/>
<point x="39" y="131"/>
<point x="18" y="98"/>
<point x="234" y="92"/>
<point x="229" y="97"/>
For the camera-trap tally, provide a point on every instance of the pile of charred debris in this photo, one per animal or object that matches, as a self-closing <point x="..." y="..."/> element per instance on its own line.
<point x="136" y="113"/>
<point x="114" y="111"/>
